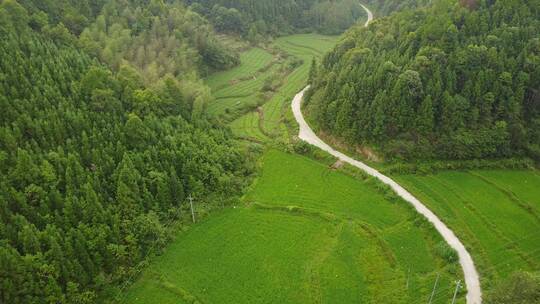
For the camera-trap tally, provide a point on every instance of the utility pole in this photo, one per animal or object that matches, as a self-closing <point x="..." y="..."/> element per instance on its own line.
<point x="458" y="286"/>
<point x="190" y="198"/>
<point x="434" y="287"/>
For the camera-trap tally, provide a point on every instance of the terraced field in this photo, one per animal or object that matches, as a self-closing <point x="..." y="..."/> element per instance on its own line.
<point x="495" y="212"/>
<point x="252" y="60"/>
<point x="311" y="233"/>
<point x="305" y="47"/>
<point x="268" y="122"/>
<point x="235" y="88"/>
<point x="248" y="127"/>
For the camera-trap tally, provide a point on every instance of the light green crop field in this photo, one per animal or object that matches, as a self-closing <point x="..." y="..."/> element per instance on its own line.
<point x="239" y="88"/>
<point x="495" y="212"/>
<point x="305" y="47"/>
<point x="247" y="127"/>
<point x="251" y="61"/>
<point x="306" y="234"/>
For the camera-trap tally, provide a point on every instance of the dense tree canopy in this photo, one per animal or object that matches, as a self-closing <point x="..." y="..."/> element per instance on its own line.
<point x="74" y="14"/>
<point x="520" y="288"/>
<point x="446" y="81"/>
<point x="262" y="17"/>
<point x="385" y="7"/>
<point x="93" y="165"/>
<point x="157" y="39"/>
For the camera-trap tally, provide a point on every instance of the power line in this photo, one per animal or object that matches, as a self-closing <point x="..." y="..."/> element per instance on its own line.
<point x="408" y="277"/>
<point x="458" y="286"/>
<point x="535" y="253"/>
<point x="434" y="287"/>
<point x="442" y="292"/>
<point x="137" y="267"/>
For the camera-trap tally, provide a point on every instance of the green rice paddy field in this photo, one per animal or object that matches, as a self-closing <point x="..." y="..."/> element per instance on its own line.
<point x="305" y="47"/>
<point x="496" y="213"/>
<point x="235" y="88"/>
<point x="240" y="87"/>
<point x="306" y="234"/>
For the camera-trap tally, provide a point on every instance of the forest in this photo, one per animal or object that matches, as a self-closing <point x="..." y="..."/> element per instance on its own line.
<point x="448" y="81"/>
<point x="162" y="39"/>
<point x="386" y="7"/>
<point x="96" y="160"/>
<point x="256" y="19"/>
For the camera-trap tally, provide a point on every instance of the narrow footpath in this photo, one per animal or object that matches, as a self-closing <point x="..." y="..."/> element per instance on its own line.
<point x="472" y="280"/>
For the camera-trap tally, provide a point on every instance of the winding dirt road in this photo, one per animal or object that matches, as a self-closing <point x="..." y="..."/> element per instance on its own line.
<point x="474" y="292"/>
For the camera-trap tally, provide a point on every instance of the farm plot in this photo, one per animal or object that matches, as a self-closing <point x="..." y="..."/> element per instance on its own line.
<point x="304" y="47"/>
<point x="306" y="234"/>
<point x="252" y="60"/>
<point x="247" y="127"/>
<point x="241" y="88"/>
<point x="495" y="212"/>
<point x="237" y="88"/>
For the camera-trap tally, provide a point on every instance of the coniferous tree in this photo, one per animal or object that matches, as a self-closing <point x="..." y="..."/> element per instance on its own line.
<point x="79" y="147"/>
<point x="459" y="83"/>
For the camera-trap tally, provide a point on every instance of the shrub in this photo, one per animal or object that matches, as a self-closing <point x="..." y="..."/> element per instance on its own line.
<point x="447" y="253"/>
<point x="520" y="288"/>
<point x="302" y="147"/>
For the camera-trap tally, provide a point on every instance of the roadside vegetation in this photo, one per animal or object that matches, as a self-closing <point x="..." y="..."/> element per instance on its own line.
<point x="387" y="7"/>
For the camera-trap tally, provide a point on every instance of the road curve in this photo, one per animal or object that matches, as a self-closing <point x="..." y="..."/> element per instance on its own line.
<point x="472" y="280"/>
<point x="369" y="15"/>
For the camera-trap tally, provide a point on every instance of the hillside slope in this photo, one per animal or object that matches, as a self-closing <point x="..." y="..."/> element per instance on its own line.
<point x="386" y="7"/>
<point x="440" y="82"/>
<point x="261" y="17"/>
<point x="93" y="167"/>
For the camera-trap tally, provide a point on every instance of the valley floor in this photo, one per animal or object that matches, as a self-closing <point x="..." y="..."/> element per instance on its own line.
<point x="254" y="97"/>
<point x="306" y="233"/>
